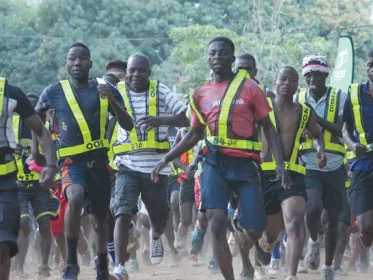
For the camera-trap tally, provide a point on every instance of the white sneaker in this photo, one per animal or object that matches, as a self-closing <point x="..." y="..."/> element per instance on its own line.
<point x="233" y="246"/>
<point x="312" y="258"/>
<point x="120" y="273"/>
<point x="174" y="260"/>
<point x="274" y="267"/>
<point x="327" y="273"/>
<point x="156" y="250"/>
<point x="180" y="240"/>
<point x="302" y="268"/>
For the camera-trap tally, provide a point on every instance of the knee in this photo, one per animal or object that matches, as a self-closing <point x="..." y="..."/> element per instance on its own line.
<point x="99" y="226"/>
<point x="293" y="225"/>
<point x="123" y="219"/>
<point x="217" y="225"/>
<point x="44" y="227"/>
<point x="75" y="197"/>
<point x="202" y="221"/>
<point x="314" y="211"/>
<point x="4" y="253"/>
<point x="330" y="226"/>
<point x="254" y="235"/>
<point x="25" y="227"/>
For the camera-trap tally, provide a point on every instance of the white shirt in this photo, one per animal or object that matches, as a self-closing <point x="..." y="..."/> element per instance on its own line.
<point x="169" y="105"/>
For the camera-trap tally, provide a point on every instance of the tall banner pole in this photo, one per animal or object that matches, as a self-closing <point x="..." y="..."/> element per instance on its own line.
<point x="343" y="73"/>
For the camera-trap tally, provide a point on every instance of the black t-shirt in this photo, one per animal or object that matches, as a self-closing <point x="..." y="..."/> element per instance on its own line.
<point x="53" y="97"/>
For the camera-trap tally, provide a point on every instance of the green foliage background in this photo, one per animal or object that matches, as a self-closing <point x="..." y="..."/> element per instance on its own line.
<point x="35" y="35"/>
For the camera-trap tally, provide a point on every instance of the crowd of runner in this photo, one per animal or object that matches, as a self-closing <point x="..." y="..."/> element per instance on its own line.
<point x="123" y="158"/>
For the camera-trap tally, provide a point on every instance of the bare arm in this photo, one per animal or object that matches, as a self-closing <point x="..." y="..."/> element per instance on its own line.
<point x="179" y="120"/>
<point x="333" y="128"/>
<point x="317" y="137"/>
<point x="358" y="148"/>
<point x="45" y="140"/>
<point x="187" y="143"/>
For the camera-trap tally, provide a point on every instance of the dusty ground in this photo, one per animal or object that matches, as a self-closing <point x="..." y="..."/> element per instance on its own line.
<point x="185" y="272"/>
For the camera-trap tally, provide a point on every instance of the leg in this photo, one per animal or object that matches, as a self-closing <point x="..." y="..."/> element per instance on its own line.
<point x="4" y="261"/>
<point x="61" y="244"/>
<point x="46" y="238"/>
<point x="174" y="188"/>
<point x="313" y="212"/>
<point x="175" y="257"/>
<point x="293" y="210"/>
<point x="23" y="244"/>
<point x="218" y="222"/>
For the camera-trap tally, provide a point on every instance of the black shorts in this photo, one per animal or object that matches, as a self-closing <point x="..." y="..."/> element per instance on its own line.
<point x="42" y="201"/>
<point x="186" y="191"/>
<point x="9" y="215"/>
<point x="361" y="192"/>
<point x="274" y="194"/>
<point x="128" y="187"/>
<point x="331" y="185"/>
<point x="345" y="214"/>
<point x="173" y="184"/>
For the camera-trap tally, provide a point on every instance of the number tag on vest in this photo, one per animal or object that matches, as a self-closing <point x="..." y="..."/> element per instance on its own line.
<point x="136" y="145"/>
<point x="224" y="142"/>
<point x="95" y="145"/>
<point x="304" y="118"/>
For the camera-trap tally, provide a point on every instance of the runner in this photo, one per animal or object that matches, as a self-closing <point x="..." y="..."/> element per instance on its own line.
<point x="118" y="68"/>
<point x="247" y="62"/>
<point x="45" y="206"/>
<point x="232" y="151"/>
<point x="138" y="151"/>
<point x="325" y="186"/>
<point x="13" y="100"/>
<point x="358" y="135"/>
<point x="81" y="108"/>
<point x="290" y="120"/>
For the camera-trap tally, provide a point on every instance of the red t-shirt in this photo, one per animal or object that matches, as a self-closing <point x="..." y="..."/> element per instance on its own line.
<point x="251" y="105"/>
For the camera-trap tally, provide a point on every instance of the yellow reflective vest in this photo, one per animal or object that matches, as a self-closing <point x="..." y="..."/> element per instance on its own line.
<point x="292" y="164"/>
<point x="222" y="140"/>
<point x="331" y="115"/>
<point x="152" y="142"/>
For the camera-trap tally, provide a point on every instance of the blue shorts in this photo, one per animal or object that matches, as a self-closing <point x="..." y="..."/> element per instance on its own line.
<point x="222" y="174"/>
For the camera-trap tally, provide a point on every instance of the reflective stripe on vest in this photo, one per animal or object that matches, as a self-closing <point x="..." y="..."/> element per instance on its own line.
<point x="348" y="184"/>
<point x="222" y="140"/>
<point x="21" y="174"/>
<point x="190" y="161"/>
<point x="10" y="166"/>
<point x="331" y="116"/>
<point x="264" y="89"/>
<point x="175" y="170"/>
<point x="356" y="108"/>
<point x="151" y="143"/>
<point x="88" y="144"/>
<point x="302" y="124"/>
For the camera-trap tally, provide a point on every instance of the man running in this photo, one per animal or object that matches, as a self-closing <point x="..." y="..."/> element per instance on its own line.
<point x="325" y="186"/>
<point x="290" y="120"/>
<point x="226" y="107"/>
<point x="13" y="100"/>
<point x="153" y="107"/>
<point x="118" y="68"/>
<point x="45" y="206"/>
<point x="247" y="62"/>
<point x="81" y="108"/>
<point x="358" y="135"/>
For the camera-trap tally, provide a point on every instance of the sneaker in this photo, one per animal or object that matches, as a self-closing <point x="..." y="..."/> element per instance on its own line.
<point x="263" y="257"/>
<point x="274" y="267"/>
<point x="103" y="274"/>
<point x="201" y="260"/>
<point x="198" y="237"/>
<point x="133" y="240"/>
<point x="174" y="260"/>
<point x="71" y="272"/>
<point x="233" y="246"/>
<point x="82" y="243"/>
<point x="21" y="275"/>
<point x="313" y="255"/>
<point x="193" y="259"/>
<point x="146" y="257"/>
<point x="44" y="271"/>
<point x="120" y="273"/>
<point x="302" y="268"/>
<point x="156" y="250"/>
<point x="362" y="267"/>
<point x="180" y="240"/>
<point x="327" y="273"/>
<point x="339" y="272"/>
<point x="133" y="266"/>
<point x="213" y="266"/>
<point x="62" y="267"/>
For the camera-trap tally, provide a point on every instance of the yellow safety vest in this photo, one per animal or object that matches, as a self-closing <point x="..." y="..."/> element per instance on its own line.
<point x="22" y="174"/>
<point x="151" y="143"/>
<point x="292" y="164"/>
<point x="331" y="115"/>
<point x="264" y="89"/>
<point x="350" y="155"/>
<point x="222" y="139"/>
<point x="88" y="143"/>
<point x="9" y="167"/>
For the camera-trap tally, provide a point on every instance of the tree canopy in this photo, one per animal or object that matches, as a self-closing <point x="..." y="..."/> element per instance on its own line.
<point x="174" y="34"/>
